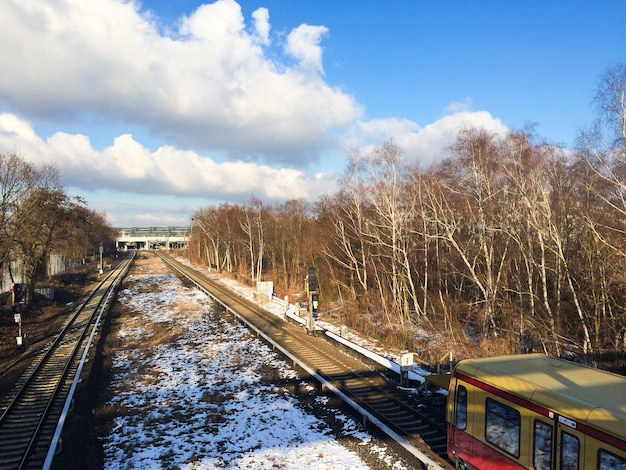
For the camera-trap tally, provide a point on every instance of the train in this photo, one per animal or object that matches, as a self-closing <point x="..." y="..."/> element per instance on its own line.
<point x="535" y="411"/>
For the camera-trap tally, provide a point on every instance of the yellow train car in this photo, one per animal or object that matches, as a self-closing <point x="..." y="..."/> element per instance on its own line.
<point x="536" y="412"/>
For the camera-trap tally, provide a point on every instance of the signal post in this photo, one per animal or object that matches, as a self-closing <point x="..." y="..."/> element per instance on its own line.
<point x="18" y="299"/>
<point x="312" y="297"/>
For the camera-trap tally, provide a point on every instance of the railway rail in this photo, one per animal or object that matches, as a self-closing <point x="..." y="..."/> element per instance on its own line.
<point x="33" y="413"/>
<point x="417" y="425"/>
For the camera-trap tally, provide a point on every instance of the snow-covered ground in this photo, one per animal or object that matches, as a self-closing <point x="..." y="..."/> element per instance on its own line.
<point x="379" y="353"/>
<point x="195" y="393"/>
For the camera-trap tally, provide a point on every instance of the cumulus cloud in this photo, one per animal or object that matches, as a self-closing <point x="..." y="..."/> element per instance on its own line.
<point x="128" y="166"/>
<point x="127" y="171"/>
<point x="422" y="145"/>
<point x="211" y="84"/>
<point x="262" y="25"/>
<point x="303" y="44"/>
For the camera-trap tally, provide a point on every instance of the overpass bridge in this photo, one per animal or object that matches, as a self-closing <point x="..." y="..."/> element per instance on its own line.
<point x="152" y="238"/>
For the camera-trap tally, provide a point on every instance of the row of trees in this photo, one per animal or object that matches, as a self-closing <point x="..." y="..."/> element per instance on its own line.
<point x="38" y="218"/>
<point x="509" y="237"/>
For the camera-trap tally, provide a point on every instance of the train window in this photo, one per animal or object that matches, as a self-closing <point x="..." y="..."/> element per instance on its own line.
<point x="569" y="452"/>
<point x="609" y="461"/>
<point x="542" y="446"/>
<point x="461" y="407"/>
<point x="502" y="427"/>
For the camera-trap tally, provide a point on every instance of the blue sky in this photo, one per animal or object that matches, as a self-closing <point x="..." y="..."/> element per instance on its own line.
<point x="151" y="110"/>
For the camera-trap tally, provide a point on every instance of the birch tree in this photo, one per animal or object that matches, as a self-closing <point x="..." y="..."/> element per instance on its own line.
<point x="390" y="230"/>
<point x="254" y="230"/>
<point x="603" y="149"/>
<point x="484" y="250"/>
<point x="208" y="234"/>
<point x="610" y="101"/>
<point x="291" y="241"/>
<point x="351" y="249"/>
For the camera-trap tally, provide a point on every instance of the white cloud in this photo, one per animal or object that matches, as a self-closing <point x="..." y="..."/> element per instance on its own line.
<point x="423" y="145"/>
<point x="128" y="166"/>
<point x="459" y="106"/>
<point x="210" y="85"/>
<point x="262" y="25"/>
<point x="153" y="180"/>
<point x="303" y="44"/>
<point x="217" y="24"/>
<point x="16" y="130"/>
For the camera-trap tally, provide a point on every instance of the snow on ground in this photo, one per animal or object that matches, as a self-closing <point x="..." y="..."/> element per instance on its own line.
<point x="277" y="309"/>
<point x="379" y="353"/>
<point x="194" y="394"/>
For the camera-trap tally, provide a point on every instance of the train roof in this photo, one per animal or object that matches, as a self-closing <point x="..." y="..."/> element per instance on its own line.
<point x="572" y="390"/>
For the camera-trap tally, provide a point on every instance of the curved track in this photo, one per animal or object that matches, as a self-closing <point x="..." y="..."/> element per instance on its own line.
<point x="32" y="413"/>
<point x="418" y="426"/>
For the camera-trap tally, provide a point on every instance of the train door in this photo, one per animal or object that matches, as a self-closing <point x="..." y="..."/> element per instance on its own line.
<point x="570" y="446"/>
<point x="460" y="442"/>
<point x="456" y="410"/>
<point x="543" y="443"/>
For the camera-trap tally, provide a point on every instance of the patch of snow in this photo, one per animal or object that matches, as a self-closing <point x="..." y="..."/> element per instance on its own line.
<point x="198" y="399"/>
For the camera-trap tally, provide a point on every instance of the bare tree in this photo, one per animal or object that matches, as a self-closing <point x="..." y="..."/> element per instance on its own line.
<point x="610" y="101"/>
<point x="606" y="155"/>
<point x="17" y="178"/>
<point x="39" y="222"/>
<point x="532" y="227"/>
<point x="291" y="242"/>
<point x="393" y="212"/>
<point x="82" y="231"/>
<point x="477" y="187"/>
<point x="603" y="149"/>
<point x="207" y="234"/>
<point x="350" y="250"/>
<point x="372" y="252"/>
<point x="252" y="226"/>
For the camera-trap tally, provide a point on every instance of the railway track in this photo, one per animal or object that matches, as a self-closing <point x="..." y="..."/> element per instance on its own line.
<point x="32" y="414"/>
<point x="417" y="425"/>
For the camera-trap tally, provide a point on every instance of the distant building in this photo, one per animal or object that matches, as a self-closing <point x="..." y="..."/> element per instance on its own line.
<point x="152" y="238"/>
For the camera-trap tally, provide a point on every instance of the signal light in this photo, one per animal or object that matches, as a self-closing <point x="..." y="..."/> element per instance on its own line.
<point x="18" y="293"/>
<point x="312" y="278"/>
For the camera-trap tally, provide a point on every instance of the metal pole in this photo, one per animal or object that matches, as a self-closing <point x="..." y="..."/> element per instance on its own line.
<point x="101" y="251"/>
